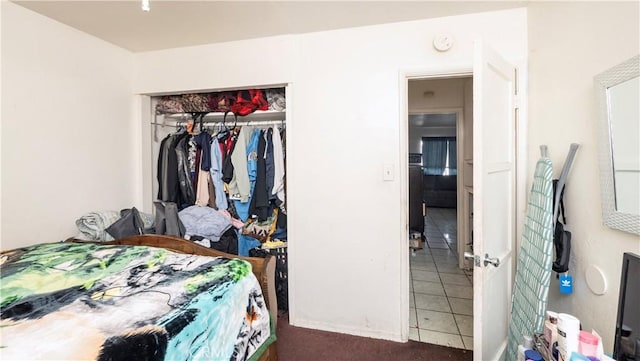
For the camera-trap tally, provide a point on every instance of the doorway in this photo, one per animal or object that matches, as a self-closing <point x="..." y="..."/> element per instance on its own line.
<point x="440" y="149"/>
<point x="496" y="195"/>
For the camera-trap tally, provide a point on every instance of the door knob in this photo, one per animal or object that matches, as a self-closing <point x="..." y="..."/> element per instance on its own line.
<point x="474" y="258"/>
<point x="495" y="262"/>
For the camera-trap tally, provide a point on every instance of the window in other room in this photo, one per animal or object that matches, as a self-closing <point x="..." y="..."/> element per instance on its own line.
<point x="439" y="155"/>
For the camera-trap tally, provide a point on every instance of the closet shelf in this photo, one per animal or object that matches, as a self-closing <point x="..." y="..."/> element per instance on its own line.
<point x="218" y="117"/>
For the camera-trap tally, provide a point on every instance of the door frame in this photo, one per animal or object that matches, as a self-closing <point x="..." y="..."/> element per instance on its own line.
<point x="463" y="70"/>
<point x="460" y="192"/>
<point x="403" y="162"/>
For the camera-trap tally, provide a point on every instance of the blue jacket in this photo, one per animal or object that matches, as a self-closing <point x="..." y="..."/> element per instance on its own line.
<point x="216" y="176"/>
<point x="252" y="168"/>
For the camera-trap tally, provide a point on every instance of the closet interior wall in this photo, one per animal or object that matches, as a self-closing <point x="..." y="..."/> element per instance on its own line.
<point x="158" y="133"/>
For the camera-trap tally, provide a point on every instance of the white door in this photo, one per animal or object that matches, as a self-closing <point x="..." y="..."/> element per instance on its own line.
<point x="494" y="219"/>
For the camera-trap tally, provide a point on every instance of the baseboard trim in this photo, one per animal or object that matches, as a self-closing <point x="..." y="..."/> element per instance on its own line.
<point x="323" y="326"/>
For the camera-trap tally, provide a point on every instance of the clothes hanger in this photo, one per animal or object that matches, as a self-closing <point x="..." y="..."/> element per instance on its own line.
<point x="223" y="133"/>
<point x="202" y="115"/>
<point x="235" y="121"/>
<point x="191" y="123"/>
<point x="215" y="130"/>
<point x="181" y="128"/>
<point x="235" y="131"/>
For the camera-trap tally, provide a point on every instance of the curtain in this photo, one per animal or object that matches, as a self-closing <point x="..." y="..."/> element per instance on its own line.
<point x="453" y="165"/>
<point x="435" y="153"/>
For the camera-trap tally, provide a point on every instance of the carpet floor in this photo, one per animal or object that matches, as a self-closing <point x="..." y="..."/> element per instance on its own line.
<point x="302" y="344"/>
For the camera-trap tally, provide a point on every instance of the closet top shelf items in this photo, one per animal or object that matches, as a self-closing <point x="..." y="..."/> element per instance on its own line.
<point x="247" y="105"/>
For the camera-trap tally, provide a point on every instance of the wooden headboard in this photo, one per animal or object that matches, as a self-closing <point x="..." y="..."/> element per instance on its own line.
<point x="263" y="268"/>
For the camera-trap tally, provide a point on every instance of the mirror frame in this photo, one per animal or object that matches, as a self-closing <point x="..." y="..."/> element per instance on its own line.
<point x="613" y="218"/>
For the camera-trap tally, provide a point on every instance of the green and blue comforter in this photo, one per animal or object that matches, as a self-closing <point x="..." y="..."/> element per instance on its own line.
<point x="80" y="301"/>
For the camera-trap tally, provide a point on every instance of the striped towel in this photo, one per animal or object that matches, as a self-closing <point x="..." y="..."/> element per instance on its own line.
<point x="533" y="272"/>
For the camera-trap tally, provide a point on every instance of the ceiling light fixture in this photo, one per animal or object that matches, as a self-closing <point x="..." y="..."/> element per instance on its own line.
<point x="145" y="5"/>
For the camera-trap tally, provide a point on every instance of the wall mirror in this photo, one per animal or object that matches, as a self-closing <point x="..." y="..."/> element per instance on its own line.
<point x="618" y="93"/>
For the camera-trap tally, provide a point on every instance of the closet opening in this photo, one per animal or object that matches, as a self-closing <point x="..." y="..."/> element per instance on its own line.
<point x="440" y="118"/>
<point x="219" y="159"/>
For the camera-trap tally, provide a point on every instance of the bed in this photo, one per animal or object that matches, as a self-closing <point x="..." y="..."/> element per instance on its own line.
<point x="148" y="297"/>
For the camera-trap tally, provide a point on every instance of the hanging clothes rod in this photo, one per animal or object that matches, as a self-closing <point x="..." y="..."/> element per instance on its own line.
<point x="229" y="123"/>
<point x="219" y="117"/>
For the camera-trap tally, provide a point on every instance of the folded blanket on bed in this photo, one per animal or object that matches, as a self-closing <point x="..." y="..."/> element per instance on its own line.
<point x="93" y="225"/>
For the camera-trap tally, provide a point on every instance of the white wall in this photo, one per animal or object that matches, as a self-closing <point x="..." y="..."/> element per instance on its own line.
<point x="448" y="94"/>
<point x="569" y="43"/>
<point x="66" y="127"/>
<point x="345" y="223"/>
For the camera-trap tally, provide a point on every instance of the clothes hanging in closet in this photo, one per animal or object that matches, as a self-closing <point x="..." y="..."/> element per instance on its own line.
<point x="216" y="176"/>
<point x="260" y="199"/>
<point x="174" y="184"/>
<point x="240" y="171"/>
<point x="239" y="185"/>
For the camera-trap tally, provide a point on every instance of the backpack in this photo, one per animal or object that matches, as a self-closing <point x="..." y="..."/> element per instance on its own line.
<point x="561" y="237"/>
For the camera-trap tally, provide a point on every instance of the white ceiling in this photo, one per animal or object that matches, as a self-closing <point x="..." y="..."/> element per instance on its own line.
<point x="172" y="24"/>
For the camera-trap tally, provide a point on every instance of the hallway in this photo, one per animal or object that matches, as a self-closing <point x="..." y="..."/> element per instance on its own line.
<point x="441" y="294"/>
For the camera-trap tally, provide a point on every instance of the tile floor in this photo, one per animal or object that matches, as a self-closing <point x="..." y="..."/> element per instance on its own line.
<point x="441" y="293"/>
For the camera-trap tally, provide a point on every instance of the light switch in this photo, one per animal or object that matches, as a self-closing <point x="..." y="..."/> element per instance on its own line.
<point x="387" y="172"/>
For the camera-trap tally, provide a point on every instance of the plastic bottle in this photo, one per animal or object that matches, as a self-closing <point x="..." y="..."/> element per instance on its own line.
<point x="521" y="351"/>
<point x="527" y="342"/>
<point x="587" y="343"/>
<point x="568" y="330"/>
<point x="551" y="329"/>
